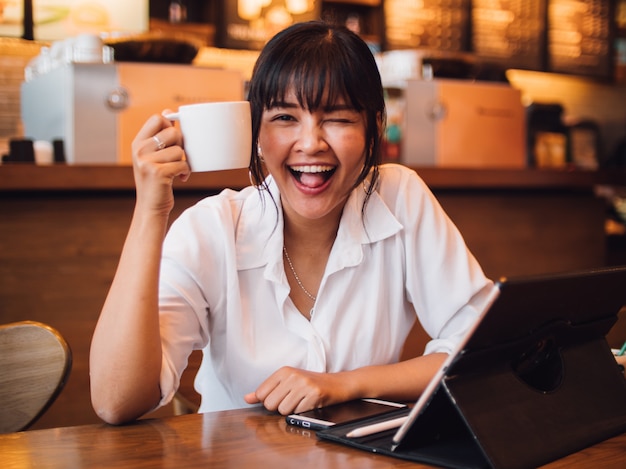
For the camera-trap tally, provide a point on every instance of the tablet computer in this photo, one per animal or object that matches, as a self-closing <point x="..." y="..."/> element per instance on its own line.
<point x="526" y="383"/>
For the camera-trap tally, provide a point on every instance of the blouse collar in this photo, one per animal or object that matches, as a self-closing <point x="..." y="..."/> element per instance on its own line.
<point x="259" y="230"/>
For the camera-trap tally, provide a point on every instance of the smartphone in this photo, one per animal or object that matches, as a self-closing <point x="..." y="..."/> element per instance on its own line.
<point x="324" y="417"/>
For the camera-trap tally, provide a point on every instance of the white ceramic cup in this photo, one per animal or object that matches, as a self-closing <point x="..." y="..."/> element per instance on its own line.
<point x="216" y="136"/>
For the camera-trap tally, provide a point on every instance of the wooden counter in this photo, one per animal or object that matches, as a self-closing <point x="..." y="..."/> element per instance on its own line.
<point x="62" y="229"/>
<point x="27" y="177"/>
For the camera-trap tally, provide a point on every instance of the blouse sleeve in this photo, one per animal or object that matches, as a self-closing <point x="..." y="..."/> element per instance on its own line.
<point x="191" y="284"/>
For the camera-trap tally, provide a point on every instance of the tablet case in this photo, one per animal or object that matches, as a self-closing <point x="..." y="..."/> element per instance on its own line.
<point x="535" y="382"/>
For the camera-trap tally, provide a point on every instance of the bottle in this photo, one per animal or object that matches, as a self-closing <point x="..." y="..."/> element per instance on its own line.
<point x="392" y="141"/>
<point x="178" y="12"/>
<point x="547" y="136"/>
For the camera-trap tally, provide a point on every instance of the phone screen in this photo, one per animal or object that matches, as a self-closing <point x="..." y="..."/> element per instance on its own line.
<point x="325" y="417"/>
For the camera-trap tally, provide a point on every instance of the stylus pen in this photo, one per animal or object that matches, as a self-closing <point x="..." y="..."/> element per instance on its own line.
<point x="376" y="427"/>
<point x="622" y="350"/>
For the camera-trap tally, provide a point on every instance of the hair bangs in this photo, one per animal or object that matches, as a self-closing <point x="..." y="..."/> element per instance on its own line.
<point x="318" y="83"/>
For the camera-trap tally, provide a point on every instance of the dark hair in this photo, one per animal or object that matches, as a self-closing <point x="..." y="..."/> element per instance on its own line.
<point x="322" y="62"/>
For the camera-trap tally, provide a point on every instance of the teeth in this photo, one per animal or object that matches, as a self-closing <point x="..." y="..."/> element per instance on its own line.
<point x="313" y="168"/>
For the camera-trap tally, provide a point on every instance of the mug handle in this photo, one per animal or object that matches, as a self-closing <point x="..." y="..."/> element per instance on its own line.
<point x="172" y="116"/>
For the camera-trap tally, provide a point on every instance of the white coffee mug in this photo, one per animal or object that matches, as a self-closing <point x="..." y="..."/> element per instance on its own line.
<point x="216" y="136"/>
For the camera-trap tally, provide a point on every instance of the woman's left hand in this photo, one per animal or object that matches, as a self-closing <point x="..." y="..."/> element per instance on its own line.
<point x="290" y="390"/>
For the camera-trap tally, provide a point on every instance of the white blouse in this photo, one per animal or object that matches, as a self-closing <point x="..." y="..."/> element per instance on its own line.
<point x="223" y="288"/>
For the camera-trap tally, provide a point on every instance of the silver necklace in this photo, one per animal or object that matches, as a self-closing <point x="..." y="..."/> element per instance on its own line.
<point x="295" y="275"/>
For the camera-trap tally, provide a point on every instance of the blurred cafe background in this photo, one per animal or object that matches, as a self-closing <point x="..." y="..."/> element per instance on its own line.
<point x="513" y="112"/>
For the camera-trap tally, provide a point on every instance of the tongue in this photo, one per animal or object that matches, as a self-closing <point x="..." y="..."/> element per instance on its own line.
<point x="311" y="179"/>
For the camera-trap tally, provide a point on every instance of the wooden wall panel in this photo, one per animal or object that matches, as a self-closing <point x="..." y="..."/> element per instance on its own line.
<point x="58" y="255"/>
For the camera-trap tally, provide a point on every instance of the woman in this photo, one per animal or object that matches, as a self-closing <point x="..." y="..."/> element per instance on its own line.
<point x="301" y="290"/>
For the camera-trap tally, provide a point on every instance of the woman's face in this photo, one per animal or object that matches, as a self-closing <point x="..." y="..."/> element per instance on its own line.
<point x="315" y="157"/>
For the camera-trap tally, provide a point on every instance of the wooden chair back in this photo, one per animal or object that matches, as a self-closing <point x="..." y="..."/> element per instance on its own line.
<point x="35" y="362"/>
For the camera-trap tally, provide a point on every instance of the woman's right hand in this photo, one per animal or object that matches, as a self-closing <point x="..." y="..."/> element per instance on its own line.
<point x="158" y="159"/>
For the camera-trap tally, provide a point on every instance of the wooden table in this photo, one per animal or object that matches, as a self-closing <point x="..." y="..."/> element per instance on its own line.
<point x="238" y="439"/>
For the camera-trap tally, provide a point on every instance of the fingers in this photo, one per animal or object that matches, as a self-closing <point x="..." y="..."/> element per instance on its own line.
<point x="159" y="143"/>
<point x="251" y="398"/>
<point x="153" y="125"/>
<point x="158" y="159"/>
<point x="289" y="390"/>
<point x="156" y="134"/>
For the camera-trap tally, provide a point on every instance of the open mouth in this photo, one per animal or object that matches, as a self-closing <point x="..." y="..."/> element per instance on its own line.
<point x="312" y="175"/>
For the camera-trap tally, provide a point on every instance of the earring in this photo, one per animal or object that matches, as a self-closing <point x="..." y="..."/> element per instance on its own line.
<point x="259" y="152"/>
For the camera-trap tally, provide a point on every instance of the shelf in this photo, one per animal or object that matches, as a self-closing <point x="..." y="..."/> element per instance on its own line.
<point x="366" y="3"/>
<point x="58" y="178"/>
